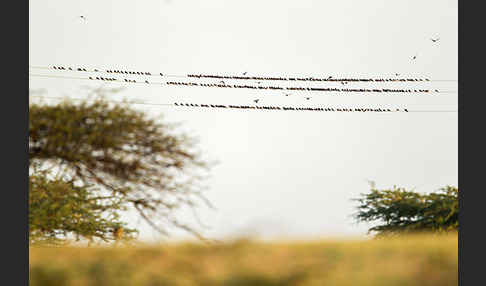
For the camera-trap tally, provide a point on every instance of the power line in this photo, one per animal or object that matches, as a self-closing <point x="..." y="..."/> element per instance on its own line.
<point x="276" y="108"/>
<point x="113" y="101"/>
<point x="242" y="77"/>
<point x="223" y="85"/>
<point x="434" y="111"/>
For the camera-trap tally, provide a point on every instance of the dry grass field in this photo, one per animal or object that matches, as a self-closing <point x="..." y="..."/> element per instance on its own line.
<point x="419" y="260"/>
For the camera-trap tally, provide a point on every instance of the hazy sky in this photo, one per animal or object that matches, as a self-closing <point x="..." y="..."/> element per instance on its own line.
<point x="289" y="174"/>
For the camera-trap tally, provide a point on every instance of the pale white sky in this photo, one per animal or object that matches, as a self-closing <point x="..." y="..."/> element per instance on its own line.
<point x="281" y="174"/>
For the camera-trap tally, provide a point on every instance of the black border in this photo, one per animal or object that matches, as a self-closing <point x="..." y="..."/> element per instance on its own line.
<point x="461" y="263"/>
<point x="14" y="118"/>
<point x="471" y="220"/>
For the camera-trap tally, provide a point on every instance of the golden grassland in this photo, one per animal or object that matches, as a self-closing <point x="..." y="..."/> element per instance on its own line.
<point x="409" y="260"/>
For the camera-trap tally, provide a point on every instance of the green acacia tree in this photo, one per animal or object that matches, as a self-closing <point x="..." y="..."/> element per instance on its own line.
<point x="90" y="161"/>
<point x="58" y="208"/>
<point x="402" y="211"/>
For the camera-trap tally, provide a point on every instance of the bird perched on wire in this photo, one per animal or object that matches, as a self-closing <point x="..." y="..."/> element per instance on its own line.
<point x="256" y="100"/>
<point x="222" y="81"/>
<point x="435" y="40"/>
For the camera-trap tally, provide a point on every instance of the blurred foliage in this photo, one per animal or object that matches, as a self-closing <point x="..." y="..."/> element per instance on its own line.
<point x="59" y="208"/>
<point x="419" y="260"/>
<point x="402" y="211"/>
<point x="89" y="161"/>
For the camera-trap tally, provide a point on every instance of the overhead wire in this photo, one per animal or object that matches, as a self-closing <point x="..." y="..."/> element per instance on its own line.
<point x="263" y="107"/>
<point x="223" y="85"/>
<point x="241" y="77"/>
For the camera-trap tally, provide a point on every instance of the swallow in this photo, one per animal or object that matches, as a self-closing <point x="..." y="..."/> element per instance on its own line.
<point x="434" y="40"/>
<point x="244" y="73"/>
<point x="256" y="100"/>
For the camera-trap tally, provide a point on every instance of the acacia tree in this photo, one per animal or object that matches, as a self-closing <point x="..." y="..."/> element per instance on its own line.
<point x="89" y="161"/>
<point x="58" y="208"/>
<point x="402" y="211"/>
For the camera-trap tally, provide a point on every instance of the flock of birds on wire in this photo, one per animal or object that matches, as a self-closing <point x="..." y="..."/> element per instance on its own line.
<point x="222" y="84"/>
<point x="330" y="78"/>
<point x="286" y="108"/>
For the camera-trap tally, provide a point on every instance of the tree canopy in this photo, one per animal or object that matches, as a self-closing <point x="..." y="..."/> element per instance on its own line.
<point x="400" y="211"/>
<point x="89" y="161"/>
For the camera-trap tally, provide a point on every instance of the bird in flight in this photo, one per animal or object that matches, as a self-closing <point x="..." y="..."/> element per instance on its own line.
<point x="435" y="40"/>
<point x="307" y="98"/>
<point x="82" y="17"/>
<point x="244" y="73"/>
<point x="414" y="57"/>
<point x="256" y="100"/>
<point x="397" y="74"/>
